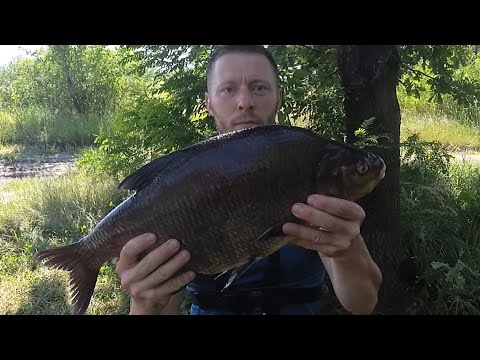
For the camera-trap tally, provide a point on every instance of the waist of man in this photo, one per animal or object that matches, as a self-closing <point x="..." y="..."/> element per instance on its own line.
<point x="257" y="301"/>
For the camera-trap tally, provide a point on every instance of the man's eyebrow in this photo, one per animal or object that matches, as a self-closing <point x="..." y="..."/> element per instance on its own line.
<point x="226" y="82"/>
<point x="261" y="81"/>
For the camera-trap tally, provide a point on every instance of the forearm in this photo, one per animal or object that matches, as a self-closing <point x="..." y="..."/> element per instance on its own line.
<point x="355" y="278"/>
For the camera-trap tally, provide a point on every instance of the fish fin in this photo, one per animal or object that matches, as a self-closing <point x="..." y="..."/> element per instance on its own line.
<point x="146" y="174"/>
<point x="239" y="271"/>
<point x="276" y="230"/>
<point x="222" y="273"/>
<point x="82" y="277"/>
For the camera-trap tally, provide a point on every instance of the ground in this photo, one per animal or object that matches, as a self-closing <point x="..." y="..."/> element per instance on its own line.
<point x="31" y="164"/>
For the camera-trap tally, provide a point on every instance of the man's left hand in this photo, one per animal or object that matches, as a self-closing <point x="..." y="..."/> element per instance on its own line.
<point x="333" y="224"/>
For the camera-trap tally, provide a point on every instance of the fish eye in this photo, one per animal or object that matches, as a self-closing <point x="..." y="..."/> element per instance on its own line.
<point x="362" y="167"/>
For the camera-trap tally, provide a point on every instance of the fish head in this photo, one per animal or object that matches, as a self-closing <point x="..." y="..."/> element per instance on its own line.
<point x="349" y="173"/>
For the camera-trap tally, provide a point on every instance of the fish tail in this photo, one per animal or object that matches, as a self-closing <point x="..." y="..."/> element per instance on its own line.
<point x="82" y="277"/>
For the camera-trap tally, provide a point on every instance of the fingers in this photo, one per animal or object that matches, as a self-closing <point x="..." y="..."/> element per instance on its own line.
<point x="132" y="249"/>
<point x="320" y="219"/>
<point x="341" y="208"/>
<point x="155" y="258"/>
<point x="323" y="243"/>
<point x="151" y="274"/>
<point x="158" y="259"/>
<point x="333" y="224"/>
<point x="170" y="286"/>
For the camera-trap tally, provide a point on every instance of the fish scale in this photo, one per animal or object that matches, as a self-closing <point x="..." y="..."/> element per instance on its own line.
<point x="225" y="199"/>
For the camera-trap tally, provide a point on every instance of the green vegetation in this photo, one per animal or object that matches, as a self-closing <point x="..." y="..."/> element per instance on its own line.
<point x="439" y="126"/>
<point x="440" y="216"/>
<point x="100" y="104"/>
<point x="41" y="213"/>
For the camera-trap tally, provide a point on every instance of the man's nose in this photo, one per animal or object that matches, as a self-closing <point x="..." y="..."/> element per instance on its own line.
<point x="245" y="100"/>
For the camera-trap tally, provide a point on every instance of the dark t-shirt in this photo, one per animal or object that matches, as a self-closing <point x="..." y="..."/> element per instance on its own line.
<point x="298" y="268"/>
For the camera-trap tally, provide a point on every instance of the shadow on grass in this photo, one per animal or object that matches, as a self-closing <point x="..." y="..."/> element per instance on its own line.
<point x="48" y="296"/>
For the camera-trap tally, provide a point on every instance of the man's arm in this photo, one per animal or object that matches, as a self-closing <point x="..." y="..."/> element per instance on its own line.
<point x="355" y="278"/>
<point x="334" y="232"/>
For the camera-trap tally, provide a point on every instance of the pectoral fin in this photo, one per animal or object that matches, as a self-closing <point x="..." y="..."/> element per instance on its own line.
<point x="276" y="230"/>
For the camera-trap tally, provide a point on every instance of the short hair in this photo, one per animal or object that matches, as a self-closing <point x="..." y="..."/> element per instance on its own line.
<point x="245" y="49"/>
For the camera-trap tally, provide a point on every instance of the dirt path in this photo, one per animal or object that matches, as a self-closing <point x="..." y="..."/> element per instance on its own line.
<point x="31" y="164"/>
<point x="468" y="156"/>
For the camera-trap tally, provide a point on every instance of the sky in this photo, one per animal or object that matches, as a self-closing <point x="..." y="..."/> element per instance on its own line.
<point x="9" y="52"/>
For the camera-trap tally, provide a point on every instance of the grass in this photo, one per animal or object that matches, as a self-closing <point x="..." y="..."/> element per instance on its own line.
<point x="46" y="213"/>
<point x="37" y="126"/>
<point x="433" y="126"/>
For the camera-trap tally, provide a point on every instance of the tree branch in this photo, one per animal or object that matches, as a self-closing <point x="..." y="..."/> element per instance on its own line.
<point x="419" y="72"/>
<point x="311" y="48"/>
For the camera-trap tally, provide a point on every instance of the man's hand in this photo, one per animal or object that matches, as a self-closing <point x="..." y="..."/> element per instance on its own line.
<point x="153" y="279"/>
<point x="333" y="225"/>
<point x="334" y="232"/>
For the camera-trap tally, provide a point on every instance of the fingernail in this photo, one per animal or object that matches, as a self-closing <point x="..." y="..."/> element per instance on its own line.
<point x="298" y="208"/>
<point x="173" y="244"/>
<point x="185" y="255"/>
<point x="150" y="237"/>
<point x="190" y="275"/>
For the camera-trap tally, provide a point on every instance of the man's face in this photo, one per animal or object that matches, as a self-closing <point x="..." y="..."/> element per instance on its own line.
<point x="243" y="92"/>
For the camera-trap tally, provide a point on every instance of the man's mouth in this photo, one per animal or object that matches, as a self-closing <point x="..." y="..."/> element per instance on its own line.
<point x="245" y="125"/>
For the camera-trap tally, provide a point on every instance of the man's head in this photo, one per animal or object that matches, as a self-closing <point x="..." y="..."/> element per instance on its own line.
<point x="243" y="87"/>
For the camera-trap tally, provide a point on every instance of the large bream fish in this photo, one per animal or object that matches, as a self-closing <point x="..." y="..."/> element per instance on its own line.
<point x="225" y="199"/>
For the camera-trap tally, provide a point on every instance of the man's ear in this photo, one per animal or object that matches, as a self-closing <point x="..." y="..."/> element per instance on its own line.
<point x="207" y="103"/>
<point x="279" y="98"/>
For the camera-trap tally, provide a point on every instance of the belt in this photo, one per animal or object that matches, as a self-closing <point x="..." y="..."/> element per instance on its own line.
<point x="257" y="301"/>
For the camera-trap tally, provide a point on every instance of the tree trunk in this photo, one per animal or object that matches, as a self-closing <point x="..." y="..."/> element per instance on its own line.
<point x="369" y="76"/>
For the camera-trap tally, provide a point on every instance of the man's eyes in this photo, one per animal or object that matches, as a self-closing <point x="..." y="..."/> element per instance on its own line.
<point x="256" y="88"/>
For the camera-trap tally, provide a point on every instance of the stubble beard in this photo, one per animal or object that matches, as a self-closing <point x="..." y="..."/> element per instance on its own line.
<point x="221" y="129"/>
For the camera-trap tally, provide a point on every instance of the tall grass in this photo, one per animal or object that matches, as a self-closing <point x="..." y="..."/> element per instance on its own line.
<point x="38" y="126"/>
<point x="44" y="213"/>
<point x="449" y="123"/>
<point x="436" y="125"/>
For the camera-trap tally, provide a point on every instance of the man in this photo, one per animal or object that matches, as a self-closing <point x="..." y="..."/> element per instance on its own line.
<point x="243" y="90"/>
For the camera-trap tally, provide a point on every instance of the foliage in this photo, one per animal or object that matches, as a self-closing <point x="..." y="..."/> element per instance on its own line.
<point x="438" y="70"/>
<point x="439" y="217"/>
<point x="64" y="95"/>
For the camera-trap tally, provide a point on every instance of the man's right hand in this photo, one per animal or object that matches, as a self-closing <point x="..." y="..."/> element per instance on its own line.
<point x="150" y="280"/>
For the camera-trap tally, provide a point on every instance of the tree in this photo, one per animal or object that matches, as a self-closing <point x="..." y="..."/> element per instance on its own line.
<point x="369" y="77"/>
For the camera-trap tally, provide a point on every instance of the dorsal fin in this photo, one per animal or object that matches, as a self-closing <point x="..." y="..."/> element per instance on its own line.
<point x="145" y="175"/>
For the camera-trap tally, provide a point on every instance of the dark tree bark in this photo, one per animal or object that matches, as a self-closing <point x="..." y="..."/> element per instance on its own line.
<point x="369" y="76"/>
